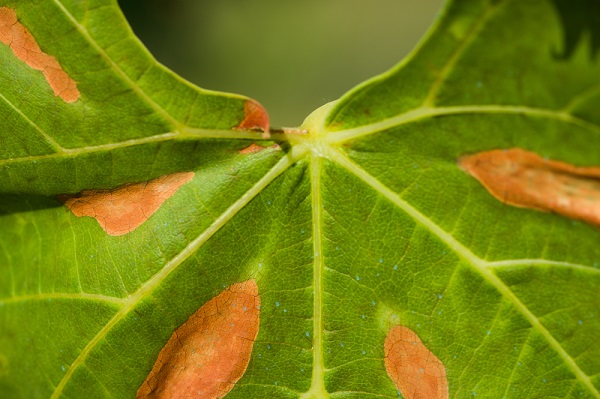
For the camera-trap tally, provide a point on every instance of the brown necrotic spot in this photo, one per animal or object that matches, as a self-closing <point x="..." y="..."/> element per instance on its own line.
<point x="24" y="46"/>
<point x="124" y="209"/>
<point x="255" y="117"/>
<point x="416" y="372"/>
<point x="209" y="353"/>
<point x="524" y="179"/>
<point x="254" y="148"/>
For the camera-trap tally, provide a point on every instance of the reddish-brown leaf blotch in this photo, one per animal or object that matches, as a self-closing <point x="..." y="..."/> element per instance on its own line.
<point x="122" y="210"/>
<point x="524" y="179"/>
<point x="25" y="47"/>
<point x="416" y="372"/>
<point x="255" y="117"/>
<point x="210" y="352"/>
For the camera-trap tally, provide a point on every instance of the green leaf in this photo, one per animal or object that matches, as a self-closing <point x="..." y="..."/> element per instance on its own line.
<point x="133" y="116"/>
<point x="360" y="221"/>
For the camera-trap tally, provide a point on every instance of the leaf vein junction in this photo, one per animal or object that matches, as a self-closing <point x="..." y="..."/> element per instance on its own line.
<point x="55" y="146"/>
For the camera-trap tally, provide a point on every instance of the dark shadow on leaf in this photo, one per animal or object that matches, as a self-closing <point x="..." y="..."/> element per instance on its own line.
<point x="580" y="19"/>
<point x="17" y="203"/>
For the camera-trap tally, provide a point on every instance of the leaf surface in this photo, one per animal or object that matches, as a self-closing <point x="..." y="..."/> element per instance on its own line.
<point x="355" y="226"/>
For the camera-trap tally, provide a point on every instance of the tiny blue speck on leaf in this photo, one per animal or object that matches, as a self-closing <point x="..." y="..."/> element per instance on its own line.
<point x="277" y="304"/>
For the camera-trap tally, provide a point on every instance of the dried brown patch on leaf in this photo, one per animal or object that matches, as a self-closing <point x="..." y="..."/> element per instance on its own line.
<point x="122" y="210"/>
<point x="210" y="352"/>
<point x="25" y="47"/>
<point x="254" y="148"/>
<point x="256" y="117"/>
<point x="416" y="372"/>
<point x="524" y="179"/>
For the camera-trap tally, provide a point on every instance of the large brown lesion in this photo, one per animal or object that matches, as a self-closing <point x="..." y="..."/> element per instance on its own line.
<point x="209" y="353"/>
<point x="416" y="372"/>
<point x="254" y="148"/>
<point x="524" y="179"/>
<point x="255" y="118"/>
<point x="122" y="210"/>
<point x="24" y="46"/>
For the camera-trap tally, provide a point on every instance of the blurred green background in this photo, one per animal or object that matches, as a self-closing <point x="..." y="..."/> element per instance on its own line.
<point x="290" y="55"/>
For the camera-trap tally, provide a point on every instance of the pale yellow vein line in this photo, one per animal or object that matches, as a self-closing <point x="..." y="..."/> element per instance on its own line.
<point x="581" y="98"/>
<point x="317" y="387"/>
<point x="55" y="146"/>
<point x="154" y="282"/>
<point x="61" y="296"/>
<point x="542" y="262"/>
<point x="419" y="114"/>
<point x="142" y="94"/>
<point x="344" y="394"/>
<point x="186" y="134"/>
<point x="480" y="265"/>
<point x="92" y="149"/>
<point x="458" y="52"/>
